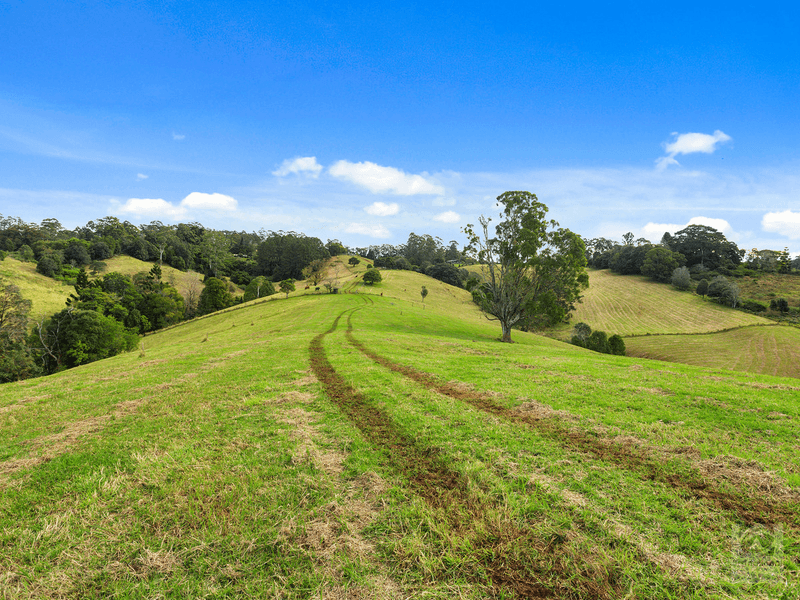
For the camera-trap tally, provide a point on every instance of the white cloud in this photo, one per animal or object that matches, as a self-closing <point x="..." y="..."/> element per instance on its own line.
<point x="300" y="164"/>
<point x="178" y="136"/>
<point x="655" y="231"/>
<point x="209" y="201"/>
<point x="141" y="176"/>
<point x="152" y="207"/>
<point x="689" y="143"/>
<point x="380" y="180"/>
<point x="375" y="231"/>
<point x="785" y="223"/>
<point x="448" y="217"/>
<point x="444" y="201"/>
<point x="380" y="209"/>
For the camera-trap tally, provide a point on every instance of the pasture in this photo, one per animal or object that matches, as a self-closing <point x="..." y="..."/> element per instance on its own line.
<point x="47" y="295"/>
<point x="362" y="445"/>
<point x="635" y="305"/>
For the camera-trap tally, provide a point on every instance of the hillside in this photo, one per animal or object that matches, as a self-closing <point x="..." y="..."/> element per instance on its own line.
<point x="636" y="305"/>
<point x="46" y="295"/>
<point x="182" y="280"/>
<point x="360" y="445"/>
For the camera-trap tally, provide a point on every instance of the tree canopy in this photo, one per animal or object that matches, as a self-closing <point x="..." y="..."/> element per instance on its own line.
<point x="533" y="268"/>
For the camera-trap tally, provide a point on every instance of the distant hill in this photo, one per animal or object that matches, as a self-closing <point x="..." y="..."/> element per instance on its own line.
<point x="636" y="305"/>
<point x="47" y="295"/>
<point x="662" y="323"/>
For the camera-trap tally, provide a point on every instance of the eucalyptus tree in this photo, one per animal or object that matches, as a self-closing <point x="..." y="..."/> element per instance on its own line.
<point x="532" y="268"/>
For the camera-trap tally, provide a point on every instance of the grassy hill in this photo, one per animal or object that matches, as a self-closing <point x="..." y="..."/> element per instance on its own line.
<point x="360" y="445"/>
<point x="46" y="295"/>
<point x="127" y="265"/>
<point x="636" y="305"/>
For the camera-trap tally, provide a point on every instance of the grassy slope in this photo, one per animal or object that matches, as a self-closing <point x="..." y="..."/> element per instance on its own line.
<point x="127" y="265"/>
<point x="47" y="295"/>
<point x="217" y="463"/>
<point x="635" y="305"/>
<point x="769" y="286"/>
<point x="705" y="333"/>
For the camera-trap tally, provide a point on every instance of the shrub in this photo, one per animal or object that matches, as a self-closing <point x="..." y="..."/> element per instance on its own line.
<point x="372" y="276"/>
<point x="702" y="288"/>
<point x="598" y="341"/>
<point x="681" y="278"/>
<point x="754" y="306"/>
<point x="215" y="296"/>
<point x="616" y="345"/>
<point x="779" y="305"/>
<point x="581" y="331"/>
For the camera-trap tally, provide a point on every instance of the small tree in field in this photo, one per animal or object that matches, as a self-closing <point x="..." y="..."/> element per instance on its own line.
<point x="424" y="293"/>
<point x="681" y="278"/>
<point x="580" y="333"/>
<point x="532" y="268"/>
<point x="702" y="288"/>
<point x="287" y="286"/>
<point x="372" y="276"/>
<point x="353" y="261"/>
<point x="616" y="345"/>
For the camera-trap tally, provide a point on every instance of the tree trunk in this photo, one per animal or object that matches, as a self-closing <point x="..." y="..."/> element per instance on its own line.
<point x="506" y="333"/>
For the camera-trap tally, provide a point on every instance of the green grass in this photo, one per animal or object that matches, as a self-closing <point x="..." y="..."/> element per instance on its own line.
<point x="46" y="295"/>
<point x="635" y="305"/>
<point x="770" y="286"/>
<point x="182" y="280"/>
<point x="772" y="350"/>
<point x="216" y="463"/>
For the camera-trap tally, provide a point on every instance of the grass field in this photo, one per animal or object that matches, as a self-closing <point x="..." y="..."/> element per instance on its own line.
<point x="635" y="305"/>
<point x="182" y="280"/>
<point x="46" y="295"/>
<point x="360" y="445"/>
<point x="772" y="350"/>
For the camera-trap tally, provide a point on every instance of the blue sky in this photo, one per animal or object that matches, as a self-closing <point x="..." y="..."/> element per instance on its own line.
<point x="366" y="121"/>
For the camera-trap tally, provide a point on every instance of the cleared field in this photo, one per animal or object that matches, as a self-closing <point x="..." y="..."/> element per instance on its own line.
<point x="772" y="350"/>
<point x="634" y="305"/>
<point x="359" y="445"/>
<point x="127" y="265"/>
<point x="47" y="295"/>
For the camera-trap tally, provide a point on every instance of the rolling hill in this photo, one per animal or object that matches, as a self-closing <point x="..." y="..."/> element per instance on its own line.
<point x="659" y="322"/>
<point x="364" y="445"/>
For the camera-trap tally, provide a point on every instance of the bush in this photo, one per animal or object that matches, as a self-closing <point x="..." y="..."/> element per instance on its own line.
<point x="779" y="305"/>
<point x="372" y="276"/>
<point x="754" y="306"/>
<point x="215" y="296"/>
<point x="681" y="278"/>
<point x="702" y="288"/>
<point x="598" y="341"/>
<point x="581" y="332"/>
<point x="616" y="345"/>
<point x="75" y="337"/>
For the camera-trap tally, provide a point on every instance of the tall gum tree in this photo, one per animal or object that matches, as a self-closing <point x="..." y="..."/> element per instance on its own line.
<point x="532" y="268"/>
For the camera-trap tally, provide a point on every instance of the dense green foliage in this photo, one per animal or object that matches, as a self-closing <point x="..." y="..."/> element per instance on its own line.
<point x="597" y="341"/>
<point x="215" y="296"/>
<point x="372" y="276"/>
<point x="535" y="271"/>
<point x="74" y="337"/>
<point x="258" y="287"/>
<point x="16" y="357"/>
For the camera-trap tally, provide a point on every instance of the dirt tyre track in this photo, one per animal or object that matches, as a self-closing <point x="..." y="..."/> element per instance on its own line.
<point x="750" y="510"/>
<point x="446" y="490"/>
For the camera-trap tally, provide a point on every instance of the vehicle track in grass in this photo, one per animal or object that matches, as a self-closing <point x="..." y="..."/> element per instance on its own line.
<point x="446" y="490"/>
<point x="749" y="509"/>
